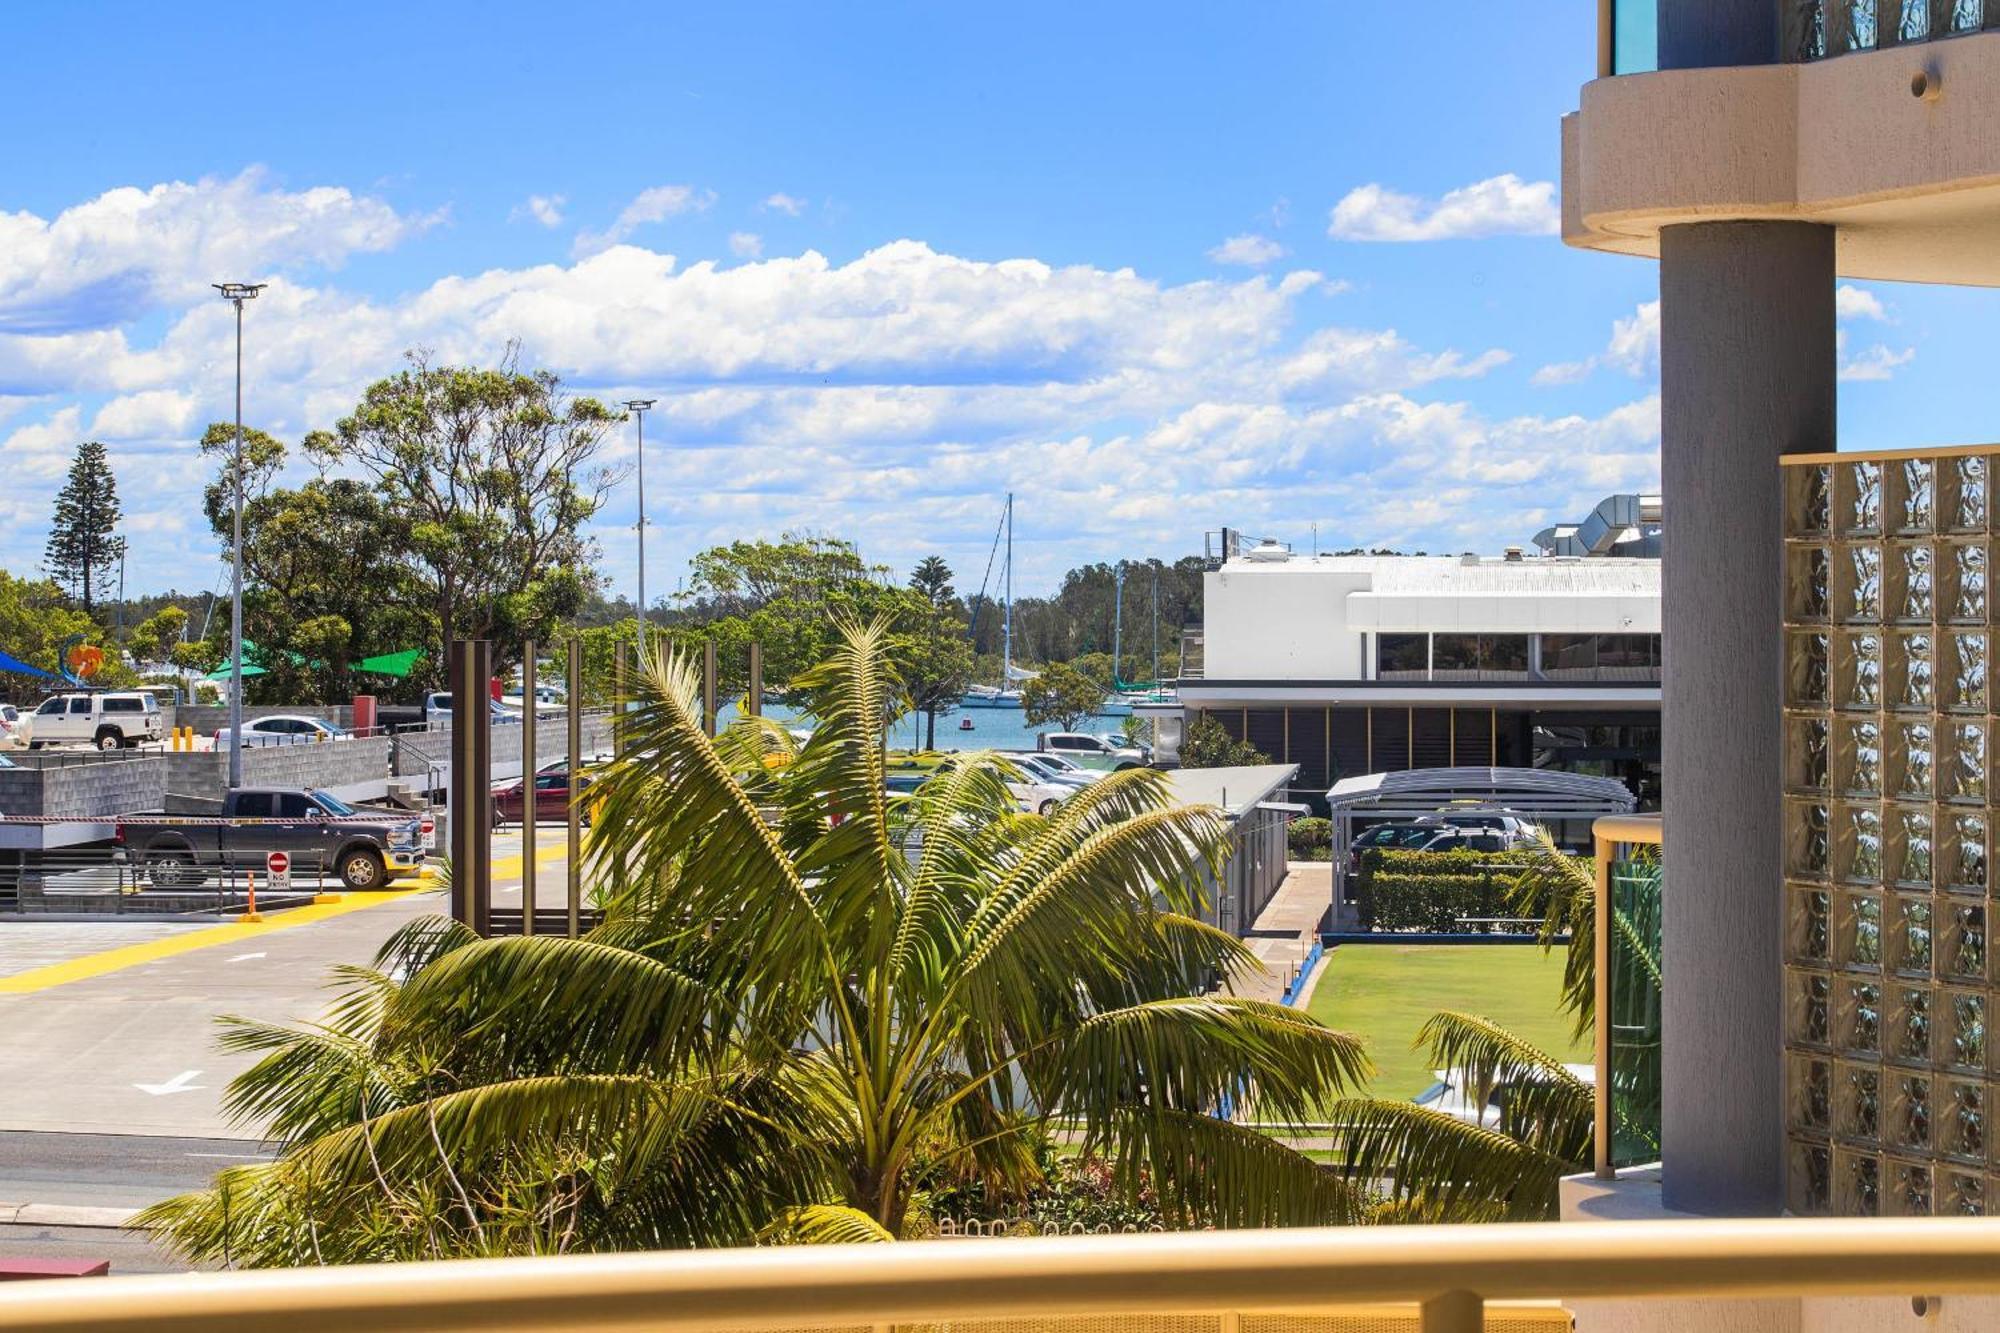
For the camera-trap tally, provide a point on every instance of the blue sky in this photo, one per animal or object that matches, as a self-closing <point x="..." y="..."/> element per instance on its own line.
<point x="1156" y="268"/>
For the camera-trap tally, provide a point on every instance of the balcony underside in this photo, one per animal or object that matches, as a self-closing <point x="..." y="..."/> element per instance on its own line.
<point x="1912" y="183"/>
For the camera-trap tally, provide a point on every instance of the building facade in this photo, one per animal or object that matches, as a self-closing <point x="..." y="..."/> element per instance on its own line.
<point x="1762" y="150"/>
<point x="1348" y="665"/>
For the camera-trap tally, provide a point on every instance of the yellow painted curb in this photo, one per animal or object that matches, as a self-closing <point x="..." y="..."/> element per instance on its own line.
<point x="131" y="955"/>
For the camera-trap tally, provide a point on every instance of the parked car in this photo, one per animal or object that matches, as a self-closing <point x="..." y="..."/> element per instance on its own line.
<point x="1030" y="790"/>
<point x="551" y="797"/>
<point x="15" y="727"/>
<point x="437" y="708"/>
<point x="109" y="720"/>
<point x="281" y="729"/>
<point x="1090" y="751"/>
<point x="1054" y="769"/>
<point x="320" y="832"/>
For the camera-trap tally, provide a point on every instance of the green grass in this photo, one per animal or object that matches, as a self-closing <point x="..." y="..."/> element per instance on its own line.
<point x="1386" y="992"/>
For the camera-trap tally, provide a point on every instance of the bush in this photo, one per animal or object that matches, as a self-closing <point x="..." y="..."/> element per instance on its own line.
<point x="1434" y="891"/>
<point x="1206" y="745"/>
<point x="1310" y="839"/>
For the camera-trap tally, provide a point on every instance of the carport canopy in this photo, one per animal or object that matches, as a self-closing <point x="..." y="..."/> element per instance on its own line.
<point x="1539" y="795"/>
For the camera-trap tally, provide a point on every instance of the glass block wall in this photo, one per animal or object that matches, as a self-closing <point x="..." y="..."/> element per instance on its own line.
<point x="1889" y="815"/>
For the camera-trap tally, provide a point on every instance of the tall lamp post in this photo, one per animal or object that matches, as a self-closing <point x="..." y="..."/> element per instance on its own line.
<point x="637" y="407"/>
<point x="236" y="293"/>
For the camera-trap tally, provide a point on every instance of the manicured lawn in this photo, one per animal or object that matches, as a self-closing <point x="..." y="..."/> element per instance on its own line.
<point x="1386" y="992"/>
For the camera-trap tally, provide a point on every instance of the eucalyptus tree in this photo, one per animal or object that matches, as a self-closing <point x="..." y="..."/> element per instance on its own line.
<point x="807" y="997"/>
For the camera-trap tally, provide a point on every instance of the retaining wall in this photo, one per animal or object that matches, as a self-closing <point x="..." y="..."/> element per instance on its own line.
<point x="334" y="765"/>
<point x="62" y="787"/>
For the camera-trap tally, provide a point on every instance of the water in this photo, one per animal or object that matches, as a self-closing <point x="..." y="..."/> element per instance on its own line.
<point x="992" y="728"/>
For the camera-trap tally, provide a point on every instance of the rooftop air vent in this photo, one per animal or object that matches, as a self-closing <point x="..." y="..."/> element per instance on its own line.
<point x="1269" y="550"/>
<point x="1513" y="555"/>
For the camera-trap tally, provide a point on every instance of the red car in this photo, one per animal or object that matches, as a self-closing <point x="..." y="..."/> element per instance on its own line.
<point x="551" y="799"/>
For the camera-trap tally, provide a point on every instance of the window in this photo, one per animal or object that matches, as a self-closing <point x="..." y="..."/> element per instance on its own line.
<point x="128" y="704"/>
<point x="1569" y="656"/>
<point x="50" y="707"/>
<point x="294" y="805"/>
<point x="1454" y="655"/>
<point x="80" y="704"/>
<point x="1503" y="654"/>
<point x="1402" y="656"/>
<point x="253" y="805"/>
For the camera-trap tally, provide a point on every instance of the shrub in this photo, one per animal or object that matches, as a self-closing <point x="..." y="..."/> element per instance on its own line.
<point x="1310" y="839"/>
<point x="1434" y="891"/>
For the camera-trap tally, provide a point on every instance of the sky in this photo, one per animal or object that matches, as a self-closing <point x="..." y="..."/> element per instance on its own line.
<point x="1156" y="269"/>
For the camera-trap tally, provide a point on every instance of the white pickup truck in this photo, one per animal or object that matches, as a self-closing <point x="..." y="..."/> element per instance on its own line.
<point x="109" y="720"/>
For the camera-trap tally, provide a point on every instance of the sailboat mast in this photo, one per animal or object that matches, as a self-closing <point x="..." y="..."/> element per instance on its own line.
<point x="1118" y="627"/>
<point x="1156" y="624"/>
<point x="1007" y="583"/>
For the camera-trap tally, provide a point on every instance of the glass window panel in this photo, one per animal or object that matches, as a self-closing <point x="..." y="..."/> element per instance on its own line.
<point x="1401" y="656"/>
<point x="1504" y="653"/>
<point x="1454" y="652"/>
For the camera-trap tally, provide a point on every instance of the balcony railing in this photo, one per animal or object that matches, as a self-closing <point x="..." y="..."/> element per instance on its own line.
<point x="1816" y="29"/>
<point x="1629" y="987"/>
<point x="1436" y="1279"/>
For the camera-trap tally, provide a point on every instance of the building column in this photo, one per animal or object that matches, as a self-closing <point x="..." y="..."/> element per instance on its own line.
<point x="1746" y="374"/>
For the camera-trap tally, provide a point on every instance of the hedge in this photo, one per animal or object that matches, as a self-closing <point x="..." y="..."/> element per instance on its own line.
<point x="1310" y="839"/>
<point x="1434" y="891"/>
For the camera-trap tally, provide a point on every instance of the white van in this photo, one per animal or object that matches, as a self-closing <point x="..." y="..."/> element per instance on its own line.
<point x="110" y="721"/>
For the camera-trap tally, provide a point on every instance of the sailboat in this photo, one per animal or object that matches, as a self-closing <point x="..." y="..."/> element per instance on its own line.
<point x="1005" y="694"/>
<point x="1128" y="692"/>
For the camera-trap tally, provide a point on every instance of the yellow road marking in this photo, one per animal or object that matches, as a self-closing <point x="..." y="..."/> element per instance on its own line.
<point x="131" y="955"/>
<point x="235" y="932"/>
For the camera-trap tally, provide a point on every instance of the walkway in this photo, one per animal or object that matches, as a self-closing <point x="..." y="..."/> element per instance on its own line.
<point x="1285" y="930"/>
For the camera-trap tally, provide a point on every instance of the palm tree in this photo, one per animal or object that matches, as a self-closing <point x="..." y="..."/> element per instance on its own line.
<point x="1440" y="1167"/>
<point x="806" y="996"/>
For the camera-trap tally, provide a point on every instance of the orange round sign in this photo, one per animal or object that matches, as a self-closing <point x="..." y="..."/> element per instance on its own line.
<point x="86" y="659"/>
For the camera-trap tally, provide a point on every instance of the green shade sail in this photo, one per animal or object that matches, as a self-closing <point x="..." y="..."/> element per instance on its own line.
<point x="398" y="665"/>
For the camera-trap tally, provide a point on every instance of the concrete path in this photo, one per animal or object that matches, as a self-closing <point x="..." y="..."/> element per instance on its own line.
<point x="1284" y="931"/>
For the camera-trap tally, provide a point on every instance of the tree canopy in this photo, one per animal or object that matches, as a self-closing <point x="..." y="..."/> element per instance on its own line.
<point x="84" y="547"/>
<point x="1061" y="694"/>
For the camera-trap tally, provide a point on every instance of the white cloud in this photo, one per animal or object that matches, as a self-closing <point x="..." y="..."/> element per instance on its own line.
<point x="790" y="205"/>
<point x="1249" y="249"/>
<point x="654" y="204"/>
<point x="1634" y="347"/>
<point x="1851" y="302"/>
<point x="148" y="415"/>
<point x="1876" y="363"/>
<point x="746" y="245"/>
<point x="1499" y="206"/>
<point x="892" y="397"/>
<point x="131" y="250"/>
<point x="546" y="209"/>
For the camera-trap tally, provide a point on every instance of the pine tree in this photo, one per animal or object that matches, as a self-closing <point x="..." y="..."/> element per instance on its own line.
<point x="83" y="545"/>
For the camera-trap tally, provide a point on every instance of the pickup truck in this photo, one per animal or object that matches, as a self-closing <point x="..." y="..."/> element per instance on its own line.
<point x="320" y="832"/>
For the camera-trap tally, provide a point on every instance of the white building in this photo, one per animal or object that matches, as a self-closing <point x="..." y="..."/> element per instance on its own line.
<point x="1347" y="665"/>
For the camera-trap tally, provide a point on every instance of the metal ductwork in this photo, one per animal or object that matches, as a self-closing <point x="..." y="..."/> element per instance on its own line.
<point x="1623" y="525"/>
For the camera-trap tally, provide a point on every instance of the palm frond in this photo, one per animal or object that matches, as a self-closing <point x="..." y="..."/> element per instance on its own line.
<point x="824" y="1224"/>
<point x="1461" y="1170"/>
<point x="1541" y="1102"/>
<point x="1209" y="1172"/>
<point x="1559" y="889"/>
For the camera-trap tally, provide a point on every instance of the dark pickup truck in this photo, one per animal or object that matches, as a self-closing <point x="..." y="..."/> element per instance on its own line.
<point x="321" y="833"/>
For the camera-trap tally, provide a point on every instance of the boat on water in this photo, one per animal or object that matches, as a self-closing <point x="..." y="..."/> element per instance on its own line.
<point x="965" y="724"/>
<point x="1005" y="694"/>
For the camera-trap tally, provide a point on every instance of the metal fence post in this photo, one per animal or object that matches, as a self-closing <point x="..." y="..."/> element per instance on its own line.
<point x="471" y="780"/>
<point x="709" y="712"/>
<point x="753" y="698"/>
<point x="574" y="845"/>
<point x="529" y="794"/>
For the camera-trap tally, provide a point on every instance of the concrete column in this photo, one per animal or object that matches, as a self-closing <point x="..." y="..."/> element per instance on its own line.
<point x="1705" y="34"/>
<point x="1746" y="375"/>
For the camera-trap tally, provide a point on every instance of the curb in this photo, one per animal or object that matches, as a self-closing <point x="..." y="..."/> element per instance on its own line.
<point x="66" y="1215"/>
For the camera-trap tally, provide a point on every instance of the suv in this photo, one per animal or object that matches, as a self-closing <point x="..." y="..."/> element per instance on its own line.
<point x="108" y="721"/>
<point x="1086" y="751"/>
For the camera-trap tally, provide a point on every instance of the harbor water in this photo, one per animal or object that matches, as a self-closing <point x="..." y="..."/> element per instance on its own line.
<point x="992" y="728"/>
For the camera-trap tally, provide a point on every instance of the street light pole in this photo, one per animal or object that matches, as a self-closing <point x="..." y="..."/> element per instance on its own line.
<point x="236" y="293"/>
<point x="637" y="407"/>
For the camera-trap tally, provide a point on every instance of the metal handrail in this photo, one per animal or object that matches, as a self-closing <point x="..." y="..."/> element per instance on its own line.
<point x="1450" y="1270"/>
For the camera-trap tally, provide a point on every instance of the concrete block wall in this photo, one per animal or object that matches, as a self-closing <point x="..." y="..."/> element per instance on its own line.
<point x="86" y="790"/>
<point x="333" y="765"/>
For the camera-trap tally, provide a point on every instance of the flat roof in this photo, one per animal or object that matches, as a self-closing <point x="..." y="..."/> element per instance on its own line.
<point x="1234" y="790"/>
<point x="1452" y="576"/>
